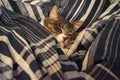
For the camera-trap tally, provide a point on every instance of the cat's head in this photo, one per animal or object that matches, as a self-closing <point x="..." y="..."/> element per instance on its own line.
<point x="62" y="29"/>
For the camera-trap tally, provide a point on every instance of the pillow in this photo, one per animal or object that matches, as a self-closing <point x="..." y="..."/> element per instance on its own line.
<point x="84" y="40"/>
<point x="93" y="30"/>
<point x="103" y="56"/>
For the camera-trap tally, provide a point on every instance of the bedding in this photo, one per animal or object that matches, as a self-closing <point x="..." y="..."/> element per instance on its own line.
<point x="29" y="52"/>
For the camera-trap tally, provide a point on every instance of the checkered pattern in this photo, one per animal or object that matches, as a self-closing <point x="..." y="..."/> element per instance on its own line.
<point x="30" y="52"/>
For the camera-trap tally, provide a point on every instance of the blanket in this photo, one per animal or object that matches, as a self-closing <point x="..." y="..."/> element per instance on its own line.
<point x="29" y="52"/>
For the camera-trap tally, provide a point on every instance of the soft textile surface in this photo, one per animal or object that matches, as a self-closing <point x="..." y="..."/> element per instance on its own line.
<point x="29" y="52"/>
<point x="103" y="56"/>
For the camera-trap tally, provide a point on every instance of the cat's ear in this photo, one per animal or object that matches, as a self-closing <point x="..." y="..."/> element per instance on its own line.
<point x="54" y="14"/>
<point x="77" y="24"/>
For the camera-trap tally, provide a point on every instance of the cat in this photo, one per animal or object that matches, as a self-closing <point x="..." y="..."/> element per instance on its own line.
<point x="63" y="30"/>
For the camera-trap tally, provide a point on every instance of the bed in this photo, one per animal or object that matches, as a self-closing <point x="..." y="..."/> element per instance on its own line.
<point x="29" y="52"/>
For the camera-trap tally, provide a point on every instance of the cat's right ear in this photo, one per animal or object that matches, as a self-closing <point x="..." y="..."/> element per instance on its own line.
<point x="54" y="14"/>
<point x="77" y="24"/>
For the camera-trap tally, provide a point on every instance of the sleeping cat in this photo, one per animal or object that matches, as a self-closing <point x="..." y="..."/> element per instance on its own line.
<point x="63" y="30"/>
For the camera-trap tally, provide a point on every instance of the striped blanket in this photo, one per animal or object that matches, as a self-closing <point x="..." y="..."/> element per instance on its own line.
<point x="29" y="52"/>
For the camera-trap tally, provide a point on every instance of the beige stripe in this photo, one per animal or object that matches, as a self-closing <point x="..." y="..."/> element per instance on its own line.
<point x="71" y="74"/>
<point x="18" y="59"/>
<point x="108" y="16"/>
<point x="86" y="76"/>
<point x="1" y="5"/>
<point x="5" y="59"/>
<point x="108" y="71"/>
<point x="35" y="2"/>
<point x="76" y="43"/>
<point x="97" y="11"/>
<point x="88" y="10"/>
<point x="30" y="58"/>
<point x="41" y="15"/>
<point x="30" y="11"/>
<point x="51" y="60"/>
<point x="109" y="9"/>
<point x="53" y="68"/>
<point x="40" y="42"/>
<point x="24" y="0"/>
<point x="7" y="5"/>
<point x="17" y="71"/>
<point x="22" y="39"/>
<point x="85" y="61"/>
<point x="38" y="74"/>
<point x="24" y="50"/>
<point x="8" y="75"/>
<point x="43" y="49"/>
<point x="77" y="10"/>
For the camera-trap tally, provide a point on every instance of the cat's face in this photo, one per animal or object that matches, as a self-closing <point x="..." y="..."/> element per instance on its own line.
<point x="62" y="29"/>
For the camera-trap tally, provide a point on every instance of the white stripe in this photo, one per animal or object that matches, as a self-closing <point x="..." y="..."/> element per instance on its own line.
<point x="85" y="61"/>
<point x="18" y="59"/>
<point x="7" y="5"/>
<point x="42" y="16"/>
<point x="54" y="68"/>
<point x="97" y="11"/>
<point x="35" y="2"/>
<point x="30" y="58"/>
<point x="71" y="9"/>
<point x="86" y="76"/>
<point x="5" y="59"/>
<point x="76" y="43"/>
<point x="108" y="16"/>
<point x="22" y="39"/>
<point x="108" y="9"/>
<point x="39" y="74"/>
<point x="7" y="75"/>
<point x="88" y="10"/>
<point x="40" y="12"/>
<point x="44" y="49"/>
<point x="24" y="0"/>
<point x="77" y="10"/>
<point x="1" y="4"/>
<point x="115" y="52"/>
<point x="108" y="71"/>
<point x="17" y="71"/>
<point x="30" y="11"/>
<point x="51" y="60"/>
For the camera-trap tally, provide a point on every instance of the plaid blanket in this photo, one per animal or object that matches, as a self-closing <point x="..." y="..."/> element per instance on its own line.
<point x="30" y="52"/>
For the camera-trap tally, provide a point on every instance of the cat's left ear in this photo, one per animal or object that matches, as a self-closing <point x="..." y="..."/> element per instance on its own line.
<point x="54" y="14"/>
<point x="77" y="24"/>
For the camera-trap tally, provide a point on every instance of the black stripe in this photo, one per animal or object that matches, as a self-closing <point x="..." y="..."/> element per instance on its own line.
<point x="37" y="15"/>
<point x="14" y="6"/>
<point x="74" y="9"/>
<point x="67" y="7"/>
<point x="114" y="9"/>
<point x="90" y="16"/>
<point x="83" y="11"/>
<point x="105" y="5"/>
<point x="4" y="48"/>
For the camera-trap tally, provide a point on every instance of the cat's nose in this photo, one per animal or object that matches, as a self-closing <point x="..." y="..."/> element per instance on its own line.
<point x="65" y="38"/>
